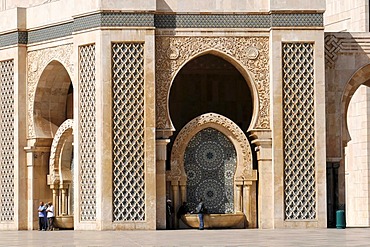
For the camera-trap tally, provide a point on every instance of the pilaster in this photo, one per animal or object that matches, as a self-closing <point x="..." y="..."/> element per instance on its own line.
<point x="161" y="154"/>
<point x="263" y="142"/>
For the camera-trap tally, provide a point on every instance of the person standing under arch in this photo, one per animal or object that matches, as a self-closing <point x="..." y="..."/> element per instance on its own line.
<point x="201" y="210"/>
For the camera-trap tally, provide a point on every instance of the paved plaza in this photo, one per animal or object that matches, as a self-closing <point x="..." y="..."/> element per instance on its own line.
<point x="245" y="237"/>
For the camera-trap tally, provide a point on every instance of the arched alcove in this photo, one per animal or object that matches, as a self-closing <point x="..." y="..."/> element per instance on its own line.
<point x="209" y="83"/>
<point x="53" y="100"/>
<point x="356" y="126"/>
<point x="240" y="184"/>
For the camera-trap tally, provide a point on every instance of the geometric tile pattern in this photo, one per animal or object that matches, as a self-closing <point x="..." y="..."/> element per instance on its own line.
<point x="212" y="21"/>
<point x="7" y="140"/>
<point x="128" y="132"/>
<point x="87" y="135"/>
<point x="127" y="20"/>
<point x="52" y="32"/>
<point x="297" y="20"/>
<point x="299" y="131"/>
<point x="210" y="164"/>
<point x="113" y="20"/>
<point x="13" y="38"/>
<point x="122" y="19"/>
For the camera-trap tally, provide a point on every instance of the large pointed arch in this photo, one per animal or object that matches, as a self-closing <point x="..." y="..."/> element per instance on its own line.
<point x="244" y="72"/>
<point x="248" y="54"/>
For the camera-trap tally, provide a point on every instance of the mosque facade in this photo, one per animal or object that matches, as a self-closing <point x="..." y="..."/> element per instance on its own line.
<point x="109" y="109"/>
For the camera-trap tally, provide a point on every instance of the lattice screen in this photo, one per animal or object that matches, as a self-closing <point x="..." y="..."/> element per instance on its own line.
<point x="87" y="111"/>
<point x="299" y="131"/>
<point x="7" y="139"/>
<point x="128" y="132"/>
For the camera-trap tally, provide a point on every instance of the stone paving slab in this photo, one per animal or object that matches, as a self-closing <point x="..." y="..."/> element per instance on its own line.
<point x="244" y="237"/>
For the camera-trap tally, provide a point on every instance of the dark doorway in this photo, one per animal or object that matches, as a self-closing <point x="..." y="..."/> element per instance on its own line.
<point x="332" y="192"/>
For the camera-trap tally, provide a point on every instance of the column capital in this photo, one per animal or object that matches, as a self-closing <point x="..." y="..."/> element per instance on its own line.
<point x="261" y="137"/>
<point x="164" y="133"/>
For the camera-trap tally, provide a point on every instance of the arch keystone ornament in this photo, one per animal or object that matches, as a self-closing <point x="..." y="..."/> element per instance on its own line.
<point x="244" y="176"/>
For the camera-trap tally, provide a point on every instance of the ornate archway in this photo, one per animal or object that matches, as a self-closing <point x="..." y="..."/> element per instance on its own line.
<point x="248" y="54"/>
<point x="244" y="190"/>
<point x="60" y="178"/>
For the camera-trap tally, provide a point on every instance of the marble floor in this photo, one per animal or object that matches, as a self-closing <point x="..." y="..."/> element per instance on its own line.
<point x="245" y="237"/>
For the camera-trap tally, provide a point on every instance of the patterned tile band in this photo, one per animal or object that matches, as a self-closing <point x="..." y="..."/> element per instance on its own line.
<point x="163" y="21"/>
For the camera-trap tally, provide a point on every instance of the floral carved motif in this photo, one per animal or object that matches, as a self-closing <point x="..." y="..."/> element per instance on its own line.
<point x="62" y="133"/>
<point x="250" y="52"/>
<point x="244" y="164"/>
<point x="37" y="62"/>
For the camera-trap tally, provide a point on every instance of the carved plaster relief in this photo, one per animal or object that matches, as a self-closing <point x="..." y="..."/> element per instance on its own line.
<point x="172" y="53"/>
<point x="63" y="132"/>
<point x="37" y="62"/>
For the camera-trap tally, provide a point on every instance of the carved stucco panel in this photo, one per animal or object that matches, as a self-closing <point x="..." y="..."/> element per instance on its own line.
<point x="63" y="132"/>
<point x="37" y="62"/>
<point x="250" y="52"/>
<point x="244" y="170"/>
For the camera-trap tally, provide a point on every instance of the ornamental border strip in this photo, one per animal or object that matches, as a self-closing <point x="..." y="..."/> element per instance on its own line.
<point x="120" y="19"/>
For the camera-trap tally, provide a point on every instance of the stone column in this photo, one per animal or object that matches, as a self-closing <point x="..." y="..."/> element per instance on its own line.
<point x="183" y="191"/>
<point x="161" y="155"/>
<point x="247" y="200"/>
<point x="263" y="142"/>
<point x="176" y="199"/>
<point x="64" y="201"/>
<point x="55" y="199"/>
<point x="238" y="196"/>
<point x="38" y="190"/>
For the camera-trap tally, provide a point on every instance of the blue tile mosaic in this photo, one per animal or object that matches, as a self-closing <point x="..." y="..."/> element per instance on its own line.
<point x="210" y="163"/>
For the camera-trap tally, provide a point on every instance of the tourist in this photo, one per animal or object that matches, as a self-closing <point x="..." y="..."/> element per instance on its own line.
<point x="50" y="216"/>
<point x="169" y="212"/>
<point x="41" y="211"/>
<point x="45" y="217"/>
<point x="201" y="210"/>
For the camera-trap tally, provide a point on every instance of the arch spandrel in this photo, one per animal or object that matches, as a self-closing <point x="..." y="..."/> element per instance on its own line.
<point x="38" y="61"/>
<point x="248" y="54"/>
<point x="244" y="169"/>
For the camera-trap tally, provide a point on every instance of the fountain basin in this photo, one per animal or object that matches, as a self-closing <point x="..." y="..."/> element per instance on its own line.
<point x="64" y="222"/>
<point x="215" y="220"/>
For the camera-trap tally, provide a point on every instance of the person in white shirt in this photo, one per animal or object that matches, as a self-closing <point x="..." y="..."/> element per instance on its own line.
<point x="50" y="215"/>
<point x="41" y="211"/>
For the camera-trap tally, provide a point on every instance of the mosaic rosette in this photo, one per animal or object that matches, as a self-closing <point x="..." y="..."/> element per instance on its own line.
<point x="210" y="163"/>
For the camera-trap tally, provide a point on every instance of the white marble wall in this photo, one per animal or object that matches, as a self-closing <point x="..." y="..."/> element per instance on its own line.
<point x="357" y="160"/>
<point x="347" y="16"/>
